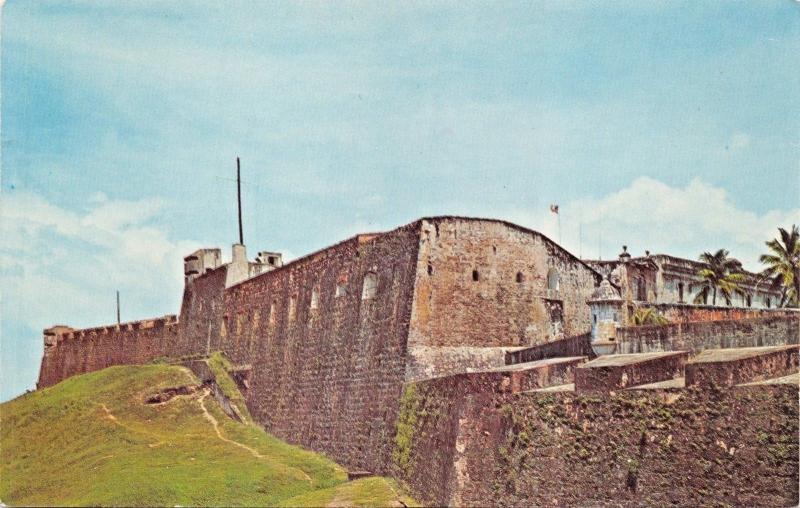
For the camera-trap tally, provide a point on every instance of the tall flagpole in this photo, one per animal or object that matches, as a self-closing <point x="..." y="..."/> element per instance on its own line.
<point x="239" y="199"/>
<point x="554" y="209"/>
<point x="559" y="228"/>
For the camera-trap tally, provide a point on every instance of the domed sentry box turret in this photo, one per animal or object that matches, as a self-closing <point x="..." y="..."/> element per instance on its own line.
<point x="606" y="309"/>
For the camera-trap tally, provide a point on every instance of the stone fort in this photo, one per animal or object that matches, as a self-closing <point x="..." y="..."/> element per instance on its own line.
<point x="480" y="363"/>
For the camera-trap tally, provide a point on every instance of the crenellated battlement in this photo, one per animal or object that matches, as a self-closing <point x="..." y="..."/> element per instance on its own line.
<point x="63" y="332"/>
<point x="69" y="351"/>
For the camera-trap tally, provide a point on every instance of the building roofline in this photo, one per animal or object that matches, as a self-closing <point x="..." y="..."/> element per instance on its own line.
<point x="699" y="263"/>
<point x="670" y="257"/>
<point x="358" y="239"/>
<point x="513" y="226"/>
<point x="367" y="237"/>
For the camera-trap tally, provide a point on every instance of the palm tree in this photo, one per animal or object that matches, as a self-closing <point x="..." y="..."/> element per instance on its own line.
<point x="648" y="316"/>
<point x="783" y="265"/>
<point x="722" y="274"/>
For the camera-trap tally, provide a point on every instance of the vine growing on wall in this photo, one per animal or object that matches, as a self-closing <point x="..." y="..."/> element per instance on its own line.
<point x="406" y="422"/>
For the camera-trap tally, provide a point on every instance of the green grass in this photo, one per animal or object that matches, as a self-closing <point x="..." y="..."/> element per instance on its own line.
<point x="60" y="446"/>
<point x="220" y="366"/>
<point x="365" y="492"/>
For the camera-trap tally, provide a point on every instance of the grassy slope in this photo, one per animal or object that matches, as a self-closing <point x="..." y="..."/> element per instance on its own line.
<point x="91" y="440"/>
<point x="364" y="492"/>
<point x="220" y="366"/>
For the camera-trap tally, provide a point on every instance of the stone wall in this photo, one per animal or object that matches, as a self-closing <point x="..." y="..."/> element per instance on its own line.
<point x="201" y="311"/>
<point x="732" y="367"/>
<point x="425" y="362"/>
<point x="616" y="372"/>
<point x="698" y="336"/>
<point x="684" y="313"/>
<point x="327" y="364"/>
<point x="485" y="283"/>
<point x="73" y="352"/>
<point x="580" y="345"/>
<point x="322" y="342"/>
<point x="468" y="441"/>
<point x="69" y="352"/>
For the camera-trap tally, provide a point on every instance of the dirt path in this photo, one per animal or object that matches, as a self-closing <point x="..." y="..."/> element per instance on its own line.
<point x="215" y="424"/>
<point x="113" y="419"/>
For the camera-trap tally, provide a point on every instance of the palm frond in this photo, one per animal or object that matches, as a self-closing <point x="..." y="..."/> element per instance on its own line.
<point x="702" y="295"/>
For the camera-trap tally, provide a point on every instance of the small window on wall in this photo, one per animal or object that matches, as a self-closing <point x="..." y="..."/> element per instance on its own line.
<point x="749" y="301"/>
<point x="769" y="303"/>
<point x="341" y="287"/>
<point x="520" y="278"/>
<point x="476" y="276"/>
<point x="641" y="289"/>
<point x="370" y="288"/>
<point x="553" y="281"/>
<point x="680" y="292"/>
<point x="292" y="307"/>
<point x="314" y="298"/>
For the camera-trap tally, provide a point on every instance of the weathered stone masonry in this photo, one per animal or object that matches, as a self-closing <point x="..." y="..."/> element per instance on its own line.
<point x="323" y="341"/>
<point x="775" y="330"/>
<point x="331" y="348"/>
<point x="68" y="352"/>
<point x="693" y="447"/>
<point x="327" y="375"/>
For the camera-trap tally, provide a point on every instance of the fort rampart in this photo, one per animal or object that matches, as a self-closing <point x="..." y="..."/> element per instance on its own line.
<point x="69" y="352"/>
<point x="327" y="360"/>
<point x="366" y="351"/>
<point x="687" y="447"/>
<point x="701" y="335"/>
<point x="685" y="313"/>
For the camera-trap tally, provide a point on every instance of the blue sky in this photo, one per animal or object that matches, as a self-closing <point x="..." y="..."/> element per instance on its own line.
<point x="668" y="126"/>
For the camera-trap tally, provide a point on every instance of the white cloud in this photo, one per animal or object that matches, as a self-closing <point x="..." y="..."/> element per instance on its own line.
<point x="61" y="266"/>
<point x="651" y="215"/>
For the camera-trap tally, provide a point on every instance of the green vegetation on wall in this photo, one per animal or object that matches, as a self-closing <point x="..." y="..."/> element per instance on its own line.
<point x="406" y="422"/>
<point x="220" y="367"/>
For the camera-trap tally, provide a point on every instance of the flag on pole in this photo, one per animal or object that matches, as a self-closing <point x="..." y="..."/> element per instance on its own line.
<point x="554" y="209"/>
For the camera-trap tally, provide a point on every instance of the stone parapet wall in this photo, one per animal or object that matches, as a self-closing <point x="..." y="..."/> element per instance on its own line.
<point x="74" y="352"/>
<point x="426" y="362"/>
<point x="617" y="372"/>
<point x="686" y="313"/>
<point x="699" y="336"/>
<point x="732" y="367"/>
<point x="580" y="345"/>
<point x="466" y="445"/>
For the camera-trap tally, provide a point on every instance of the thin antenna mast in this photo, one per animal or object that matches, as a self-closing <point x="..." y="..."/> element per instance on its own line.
<point x="118" y="321"/>
<point x="239" y="198"/>
<point x="600" y="245"/>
